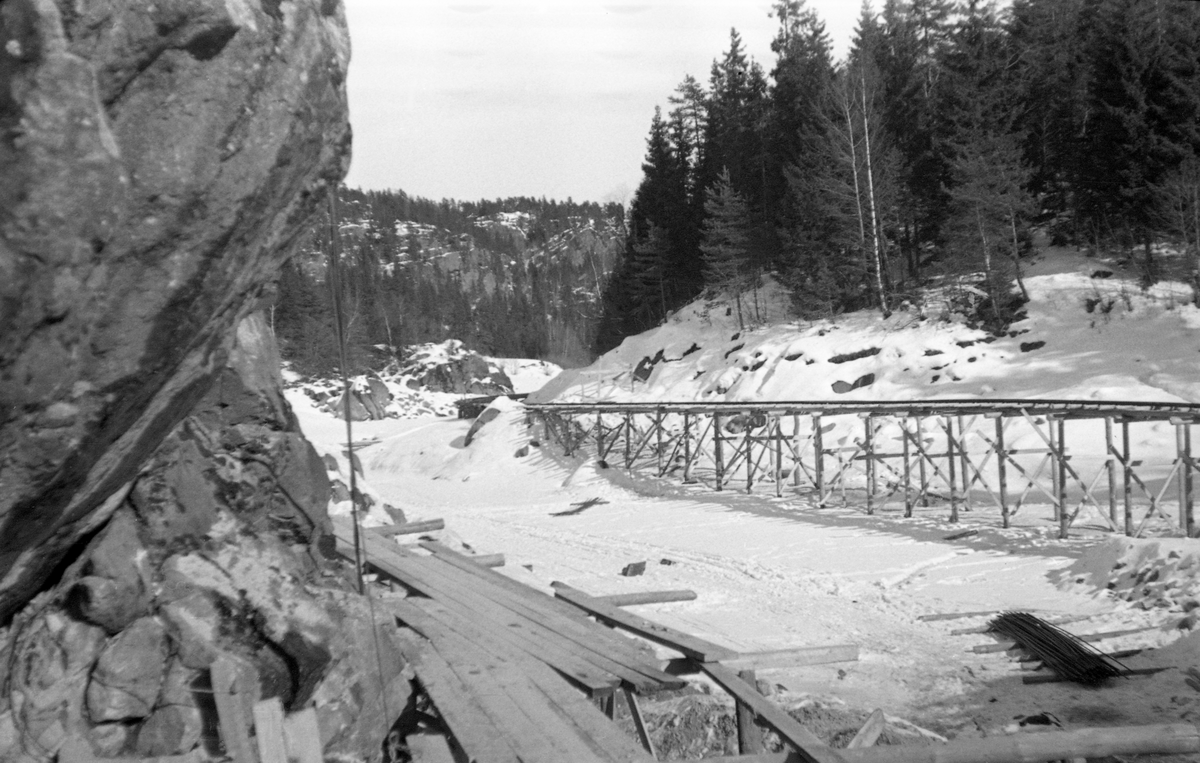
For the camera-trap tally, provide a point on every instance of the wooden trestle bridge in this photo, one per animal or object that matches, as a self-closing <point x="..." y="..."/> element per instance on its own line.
<point x="1129" y="465"/>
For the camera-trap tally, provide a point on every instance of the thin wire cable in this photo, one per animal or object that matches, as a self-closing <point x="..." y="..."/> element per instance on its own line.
<point x="360" y="555"/>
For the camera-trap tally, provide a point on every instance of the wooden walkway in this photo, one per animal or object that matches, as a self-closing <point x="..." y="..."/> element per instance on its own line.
<point x="521" y="676"/>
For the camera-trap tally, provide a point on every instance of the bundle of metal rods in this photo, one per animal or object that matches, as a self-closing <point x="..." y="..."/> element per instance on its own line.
<point x="1065" y="654"/>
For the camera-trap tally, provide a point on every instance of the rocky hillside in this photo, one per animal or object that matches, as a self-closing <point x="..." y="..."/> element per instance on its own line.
<point x="511" y="278"/>
<point x="159" y="509"/>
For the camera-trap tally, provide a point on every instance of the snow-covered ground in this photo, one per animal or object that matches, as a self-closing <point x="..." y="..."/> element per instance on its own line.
<point x="773" y="573"/>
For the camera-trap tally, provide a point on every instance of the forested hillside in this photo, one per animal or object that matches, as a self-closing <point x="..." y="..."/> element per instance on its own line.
<point x="949" y="130"/>
<point x="517" y="277"/>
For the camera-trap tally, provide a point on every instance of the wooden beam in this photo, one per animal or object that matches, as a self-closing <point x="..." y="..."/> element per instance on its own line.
<point x="303" y="736"/>
<point x="776" y="659"/>
<point x="559" y="617"/>
<point x="696" y="648"/>
<point x="870" y="731"/>
<point x="639" y="723"/>
<point x="1175" y="738"/>
<point x="810" y="748"/>
<point x="646" y="597"/>
<point x="268" y="731"/>
<point x="462" y="584"/>
<point x="410" y="528"/>
<point x="235" y="690"/>
<point x="750" y="739"/>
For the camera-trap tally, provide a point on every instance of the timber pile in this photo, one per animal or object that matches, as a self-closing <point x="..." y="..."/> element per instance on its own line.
<point x="1069" y="656"/>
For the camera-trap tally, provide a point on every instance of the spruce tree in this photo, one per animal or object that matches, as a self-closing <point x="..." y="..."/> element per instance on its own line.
<point x="726" y="242"/>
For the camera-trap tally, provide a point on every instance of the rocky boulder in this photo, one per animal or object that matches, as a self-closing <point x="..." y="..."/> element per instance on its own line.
<point x="220" y="548"/>
<point x="450" y="367"/>
<point x="157" y="164"/>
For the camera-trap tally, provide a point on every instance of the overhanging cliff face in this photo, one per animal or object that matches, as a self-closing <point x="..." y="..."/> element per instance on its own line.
<point x="156" y="164"/>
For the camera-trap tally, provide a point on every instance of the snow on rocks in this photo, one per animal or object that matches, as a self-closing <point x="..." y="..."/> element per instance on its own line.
<point x="1082" y="338"/>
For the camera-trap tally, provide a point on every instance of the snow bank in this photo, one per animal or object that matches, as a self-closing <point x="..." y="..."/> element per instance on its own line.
<point x="1158" y="574"/>
<point x="1084" y="337"/>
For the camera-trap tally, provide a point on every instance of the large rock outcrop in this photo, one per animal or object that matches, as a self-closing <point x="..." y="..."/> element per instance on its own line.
<point x="219" y="549"/>
<point x="157" y="162"/>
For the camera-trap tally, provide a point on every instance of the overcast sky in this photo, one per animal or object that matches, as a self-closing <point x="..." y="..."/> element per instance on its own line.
<point x="472" y="100"/>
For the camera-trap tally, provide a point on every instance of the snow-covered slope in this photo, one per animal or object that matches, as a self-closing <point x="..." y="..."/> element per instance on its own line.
<point x="1089" y="334"/>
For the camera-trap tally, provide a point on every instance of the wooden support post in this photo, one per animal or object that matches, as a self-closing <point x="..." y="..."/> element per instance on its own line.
<point x="1064" y="516"/>
<point x="1188" y="493"/>
<point x="1110" y="464"/>
<point x="869" y="455"/>
<point x="628" y="438"/>
<point x="818" y="459"/>
<point x="963" y="463"/>
<point x="796" y="449"/>
<point x="1127" y="474"/>
<point x="1002" y="471"/>
<point x="1180" y="483"/>
<point x="599" y="436"/>
<point x="717" y="455"/>
<point x="908" y="501"/>
<point x="950" y="459"/>
<point x="607" y="702"/>
<point x="639" y="723"/>
<point x="750" y="739"/>
<point x="748" y="445"/>
<point x="778" y="439"/>
<point x="687" y="447"/>
<point x="921" y="463"/>
<point x="658" y="433"/>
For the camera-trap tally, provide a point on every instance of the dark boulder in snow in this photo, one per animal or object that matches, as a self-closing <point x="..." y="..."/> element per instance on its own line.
<point x="841" y="387"/>
<point x="450" y="367"/>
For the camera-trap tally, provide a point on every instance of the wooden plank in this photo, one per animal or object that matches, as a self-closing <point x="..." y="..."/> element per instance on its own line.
<point x="504" y="583"/>
<point x="647" y="597"/>
<point x="773" y="659"/>
<point x="1004" y="646"/>
<point x="234" y="695"/>
<point x="577" y="632"/>
<point x="696" y="648"/>
<point x="421" y="614"/>
<point x="458" y="706"/>
<point x="795" y="657"/>
<point x="488" y="560"/>
<point x="513" y="703"/>
<point x="810" y="748"/>
<point x="593" y="668"/>
<point x="750" y="739"/>
<point x="1054" y="678"/>
<point x="870" y="731"/>
<point x="303" y="736"/>
<point x="445" y="582"/>
<point x="564" y="618"/>
<point x="410" y="528"/>
<point x="268" y="731"/>
<point x="574" y="720"/>
<point x="583" y="714"/>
